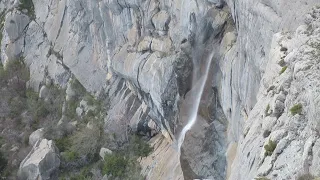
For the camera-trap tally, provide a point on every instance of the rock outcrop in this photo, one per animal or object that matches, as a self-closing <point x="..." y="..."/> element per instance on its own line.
<point x="41" y="162"/>
<point x="290" y="88"/>
<point x="36" y="136"/>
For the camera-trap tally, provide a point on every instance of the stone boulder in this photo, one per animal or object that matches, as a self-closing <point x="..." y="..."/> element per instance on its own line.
<point x="36" y="136"/>
<point x="104" y="151"/>
<point x="41" y="162"/>
<point x="15" y="24"/>
<point x="44" y="92"/>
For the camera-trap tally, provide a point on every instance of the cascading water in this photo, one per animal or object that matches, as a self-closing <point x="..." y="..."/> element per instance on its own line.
<point x="199" y="84"/>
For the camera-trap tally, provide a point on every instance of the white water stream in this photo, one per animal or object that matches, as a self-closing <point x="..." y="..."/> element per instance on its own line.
<point x="197" y="98"/>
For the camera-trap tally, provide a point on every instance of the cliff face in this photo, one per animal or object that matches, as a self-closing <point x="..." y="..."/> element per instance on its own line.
<point x="141" y="54"/>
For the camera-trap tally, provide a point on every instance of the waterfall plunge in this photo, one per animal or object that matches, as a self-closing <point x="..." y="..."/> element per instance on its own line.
<point x="198" y="84"/>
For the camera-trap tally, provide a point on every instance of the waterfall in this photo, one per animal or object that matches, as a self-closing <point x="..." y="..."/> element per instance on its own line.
<point x="198" y="88"/>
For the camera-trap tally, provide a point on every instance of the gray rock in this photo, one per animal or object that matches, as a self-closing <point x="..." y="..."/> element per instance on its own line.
<point x="44" y="92"/>
<point x="36" y="136"/>
<point x="79" y="111"/>
<point x="42" y="161"/>
<point x="162" y="45"/>
<point x="278" y="108"/>
<point x="85" y="107"/>
<point x="70" y="93"/>
<point x="15" y="24"/>
<point x="104" y="151"/>
<point x="294" y="135"/>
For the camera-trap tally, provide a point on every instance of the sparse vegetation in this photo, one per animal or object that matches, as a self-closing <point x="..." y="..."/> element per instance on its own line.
<point x="70" y="155"/>
<point x="86" y="142"/>
<point x="261" y="178"/>
<point x="84" y="174"/>
<point x="15" y="74"/>
<point x="307" y="176"/>
<point x="284" y="68"/>
<point x="139" y="147"/>
<point x="296" y="109"/>
<point x="2" y="20"/>
<point x="72" y="105"/>
<point x="270" y="147"/>
<point x="63" y="143"/>
<point x="123" y="164"/>
<point x="115" y="164"/>
<point x="27" y="5"/>
<point x="78" y="88"/>
<point x="79" y="145"/>
<point x="266" y="111"/>
<point x="90" y="100"/>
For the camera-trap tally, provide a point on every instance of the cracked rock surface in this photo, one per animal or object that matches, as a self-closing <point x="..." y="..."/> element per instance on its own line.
<point x="296" y="134"/>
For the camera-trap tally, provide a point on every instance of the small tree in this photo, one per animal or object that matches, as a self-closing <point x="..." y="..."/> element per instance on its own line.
<point x="140" y="147"/>
<point x="115" y="164"/>
<point x="296" y="109"/>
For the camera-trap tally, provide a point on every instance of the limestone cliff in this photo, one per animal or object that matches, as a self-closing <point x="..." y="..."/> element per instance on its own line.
<point x="141" y="54"/>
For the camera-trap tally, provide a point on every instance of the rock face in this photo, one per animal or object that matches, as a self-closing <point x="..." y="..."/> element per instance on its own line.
<point x="284" y="89"/>
<point x="41" y="162"/>
<point x="142" y="54"/>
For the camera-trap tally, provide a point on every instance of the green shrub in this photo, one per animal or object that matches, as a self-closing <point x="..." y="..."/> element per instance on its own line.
<point x="115" y="164"/>
<point x="139" y="147"/>
<point x="84" y="174"/>
<point x="90" y="114"/>
<point x="77" y="87"/>
<point x="2" y="71"/>
<point x="32" y="95"/>
<point x="86" y="141"/>
<point x="266" y="111"/>
<point x="72" y="105"/>
<point x="2" y="20"/>
<point x="261" y="178"/>
<point x="41" y="111"/>
<point x="270" y="147"/>
<point x="17" y="73"/>
<point x="306" y="177"/>
<point x="58" y="99"/>
<point x="17" y="68"/>
<point x="90" y="100"/>
<point x="28" y="5"/>
<point x="38" y="108"/>
<point x="17" y="106"/>
<point x="284" y="68"/>
<point x="70" y="155"/>
<point x="63" y="144"/>
<point x="296" y="109"/>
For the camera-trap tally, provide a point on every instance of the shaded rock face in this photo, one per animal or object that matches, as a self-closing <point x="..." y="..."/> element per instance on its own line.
<point x="42" y="161"/>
